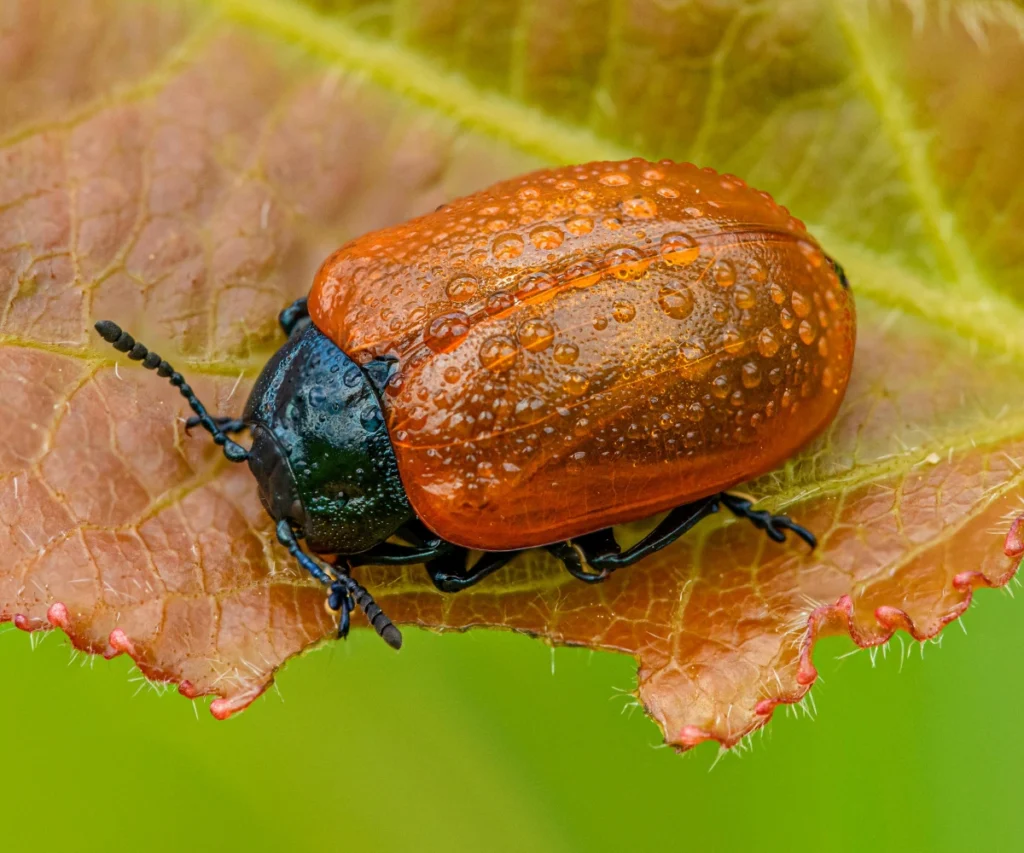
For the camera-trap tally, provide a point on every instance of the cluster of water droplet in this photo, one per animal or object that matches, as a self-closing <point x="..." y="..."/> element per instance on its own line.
<point x="730" y="301"/>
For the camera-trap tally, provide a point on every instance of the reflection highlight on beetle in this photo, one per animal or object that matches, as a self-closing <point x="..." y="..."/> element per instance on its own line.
<point x="528" y="366"/>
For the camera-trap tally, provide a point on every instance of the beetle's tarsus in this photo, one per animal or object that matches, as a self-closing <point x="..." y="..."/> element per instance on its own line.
<point x="773" y="525"/>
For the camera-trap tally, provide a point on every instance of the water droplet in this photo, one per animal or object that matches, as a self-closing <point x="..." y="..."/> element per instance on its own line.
<point x="787" y="398"/>
<point x="801" y="304"/>
<point x="583" y="195"/>
<point x="317" y="396"/>
<point x="777" y="293"/>
<point x="720" y="386"/>
<point x="635" y="431"/>
<point x="654" y="174"/>
<point x="744" y="297"/>
<point x="807" y="332"/>
<point x="757" y="271"/>
<point x="498" y="353"/>
<point x="732" y="341"/>
<point x="679" y="249"/>
<point x="535" y="283"/>
<point x="750" y="374"/>
<point x="767" y="343"/>
<point x="615" y="179"/>
<point x="536" y="334"/>
<point x="676" y="300"/>
<point x="496" y="225"/>
<point x="581" y="274"/>
<point x="667" y="192"/>
<point x="546" y="237"/>
<point x="565" y="185"/>
<point x="576" y="383"/>
<point x="776" y="375"/>
<point x="693" y="350"/>
<point x="736" y="399"/>
<point x="827" y="379"/>
<point x="724" y="273"/>
<point x="623" y="311"/>
<point x="600" y="323"/>
<point x="566" y="353"/>
<point x="530" y="410"/>
<point x="625" y="263"/>
<point x="446" y="330"/>
<point x="823" y="346"/>
<point x="786" y="318"/>
<point x="527" y="193"/>
<point x="371" y="418"/>
<point x="694" y="412"/>
<point x="462" y="288"/>
<point x="811" y="252"/>
<point x="500" y="301"/>
<point x="508" y="247"/>
<point x="612" y="223"/>
<point x="831" y="300"/>
<point x="452" y="375"/>
<point x="639" y="207"/>
<point x="578" y="226"/>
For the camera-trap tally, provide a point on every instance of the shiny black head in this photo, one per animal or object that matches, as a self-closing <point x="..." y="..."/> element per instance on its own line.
<point x="320" y="451"/>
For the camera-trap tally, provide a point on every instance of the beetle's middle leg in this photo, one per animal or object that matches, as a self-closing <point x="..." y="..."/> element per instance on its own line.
<point x="449" y="572"/>
<point x="594" y="556"/>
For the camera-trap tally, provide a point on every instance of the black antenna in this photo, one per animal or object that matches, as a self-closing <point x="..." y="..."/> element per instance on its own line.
<point x="378" y="619"/>
<point x="344" y="590"/>
<point x="123" y="342"/>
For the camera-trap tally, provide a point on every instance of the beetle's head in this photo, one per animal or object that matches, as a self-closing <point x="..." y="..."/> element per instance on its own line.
<point x="320" y="451"/>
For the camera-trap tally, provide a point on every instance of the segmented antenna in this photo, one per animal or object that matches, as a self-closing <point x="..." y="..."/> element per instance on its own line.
<point x="123" y="342"/>
<point x="341" y="587"/>
<point x="378" y="619"/>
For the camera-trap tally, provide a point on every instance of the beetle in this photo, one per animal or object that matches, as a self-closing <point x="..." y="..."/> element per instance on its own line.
<point x="530" y="365"/>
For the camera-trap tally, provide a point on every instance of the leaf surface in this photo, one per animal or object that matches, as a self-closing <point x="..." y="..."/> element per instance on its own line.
<point x="183" y="168"/>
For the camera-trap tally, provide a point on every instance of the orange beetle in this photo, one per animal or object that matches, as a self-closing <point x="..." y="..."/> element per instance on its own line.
<point x="532" y="364"/>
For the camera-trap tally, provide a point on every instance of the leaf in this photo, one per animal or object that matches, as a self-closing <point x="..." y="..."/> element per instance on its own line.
<point x="184" y="167"/>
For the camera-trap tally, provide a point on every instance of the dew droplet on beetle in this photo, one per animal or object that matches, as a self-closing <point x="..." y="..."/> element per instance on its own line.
<point x="676" y="300"/>
<point x="498" y="353"/>
<point x="566" y="353"/>
<point x="462" y="288"/>
<point x="678" y="248"/>
<point x="546" y="237"/>
<point x="536" y="334"/>
<point x="446" y="330"/>
<point x="508" y="247"/>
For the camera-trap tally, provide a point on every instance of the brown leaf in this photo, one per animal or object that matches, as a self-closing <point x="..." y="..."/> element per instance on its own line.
<point x="183" y="169"/>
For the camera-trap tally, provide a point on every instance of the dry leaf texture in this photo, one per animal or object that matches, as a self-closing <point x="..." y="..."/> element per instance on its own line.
<point x="183" y="168"/>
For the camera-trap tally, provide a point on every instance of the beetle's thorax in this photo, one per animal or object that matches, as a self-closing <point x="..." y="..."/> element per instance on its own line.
<point x="321" y="451"/>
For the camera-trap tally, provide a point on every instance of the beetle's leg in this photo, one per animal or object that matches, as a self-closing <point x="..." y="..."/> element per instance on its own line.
<point x="295" y="314"/>
<point x="773" y="525"/>
<point x="425" y="545"/>
<point x="449" y="572"/>
<point x="225" y="425"/>
<point x="593" y="557"/>
<point x="345" y="592"/>
<point x="387" y="554"/>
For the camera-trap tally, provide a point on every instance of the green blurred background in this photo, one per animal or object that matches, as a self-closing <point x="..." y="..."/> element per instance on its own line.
<point x="491" y="741"/>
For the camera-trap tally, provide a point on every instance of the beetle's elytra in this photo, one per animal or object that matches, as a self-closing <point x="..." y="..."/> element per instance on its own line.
<point x="531" y="364"/>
